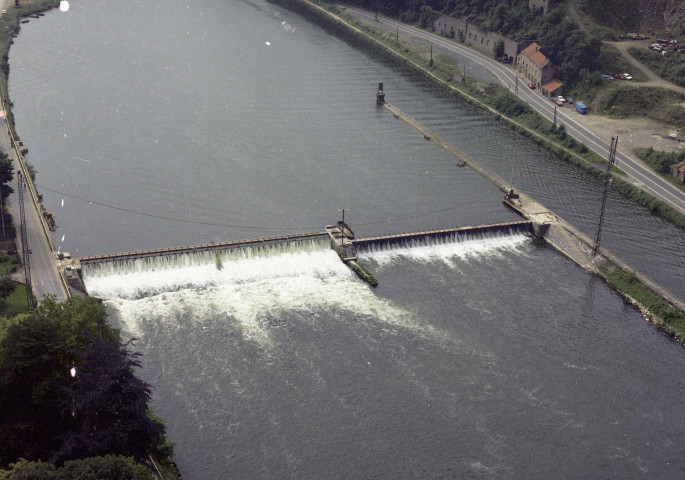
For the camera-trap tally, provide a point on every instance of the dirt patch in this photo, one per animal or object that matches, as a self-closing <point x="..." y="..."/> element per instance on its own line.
<point x="636" y="132"/>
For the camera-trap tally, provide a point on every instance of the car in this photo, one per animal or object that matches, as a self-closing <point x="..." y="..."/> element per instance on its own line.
<point x="558" y="102"/>
<point x="626" y="76"/>
<point x="561" y="99"/>
<point x="607" y="77"/>
<point x="570" y="101"/>
<point x="530" y="85"/>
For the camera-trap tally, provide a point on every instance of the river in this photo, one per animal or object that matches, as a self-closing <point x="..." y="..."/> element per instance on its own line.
<point x="169" y="123"/>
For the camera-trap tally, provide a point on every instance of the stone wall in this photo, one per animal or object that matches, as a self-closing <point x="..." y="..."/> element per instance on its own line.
<point x="472" y="34"/>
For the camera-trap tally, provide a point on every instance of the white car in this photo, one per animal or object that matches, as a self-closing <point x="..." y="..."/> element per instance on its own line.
<point x="561" y="99"/>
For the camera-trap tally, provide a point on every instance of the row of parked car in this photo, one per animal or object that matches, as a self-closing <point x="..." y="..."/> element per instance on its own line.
<point x="580" y="106"/>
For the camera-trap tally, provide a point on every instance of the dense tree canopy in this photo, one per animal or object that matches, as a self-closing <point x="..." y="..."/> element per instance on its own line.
<point x="6" y="175"/>
<point x="53" y="413"/>
<point x="108" y="467"/>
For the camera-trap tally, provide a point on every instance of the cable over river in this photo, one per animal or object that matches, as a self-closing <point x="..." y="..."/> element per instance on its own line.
<point x="489" y="358"/>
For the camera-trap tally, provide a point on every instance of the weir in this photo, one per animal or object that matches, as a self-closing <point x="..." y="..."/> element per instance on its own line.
<point x="338" y="237"/>
<point x="193" y="255"/>
<point x="443" y="236"/>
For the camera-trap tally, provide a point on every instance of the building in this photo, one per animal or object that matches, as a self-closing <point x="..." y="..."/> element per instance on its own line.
<point x="467" y="30"/>
<point x="538" y="6"/>
<point x="678" y="171"/>
<point x="538" y="69"/>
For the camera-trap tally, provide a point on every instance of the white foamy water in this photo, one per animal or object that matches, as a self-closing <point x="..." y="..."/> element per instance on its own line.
<point x="249" y="291"/>
<point x="245" y="292"/>
<point x="449" y="253"/>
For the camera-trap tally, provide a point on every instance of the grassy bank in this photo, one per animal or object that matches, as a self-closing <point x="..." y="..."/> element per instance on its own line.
<point x="657" y="104"/>
<point x="670" y="67"/>
<point x="657" y="310"/>
<point x="496" y="100"/>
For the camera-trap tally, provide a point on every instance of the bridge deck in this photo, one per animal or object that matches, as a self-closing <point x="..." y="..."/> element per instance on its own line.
<point x="201" y="248"/>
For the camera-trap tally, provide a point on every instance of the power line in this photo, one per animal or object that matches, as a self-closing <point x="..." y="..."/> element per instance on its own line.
<point x="252" y="227"/>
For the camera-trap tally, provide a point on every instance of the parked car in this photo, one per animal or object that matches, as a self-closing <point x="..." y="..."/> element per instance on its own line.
<point x="530" y="85"/>
<point x="561" y="99"/>
<point x="607" y="77"/>
<point x="570" y="101"/>
<point x="581" y="108"/>
<point x="626" y="76"/>
<point x="558" y="102"/>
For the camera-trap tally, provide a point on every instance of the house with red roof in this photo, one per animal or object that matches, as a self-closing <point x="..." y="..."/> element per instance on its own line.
<point x="538" y="70"/>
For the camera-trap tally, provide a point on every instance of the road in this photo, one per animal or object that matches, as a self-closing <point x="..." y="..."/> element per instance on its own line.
<point x="44" y="276"/>
<point x="640" y="174"/>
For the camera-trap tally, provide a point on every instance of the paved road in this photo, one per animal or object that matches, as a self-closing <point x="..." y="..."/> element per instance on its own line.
<point x="641" y="174"/>
<point x="44" y="277"/>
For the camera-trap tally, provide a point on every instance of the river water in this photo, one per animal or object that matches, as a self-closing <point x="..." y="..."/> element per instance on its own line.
<point x="168" y="123"/>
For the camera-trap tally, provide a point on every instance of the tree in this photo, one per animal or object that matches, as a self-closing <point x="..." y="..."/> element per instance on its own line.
<point x="49" y="414"/>
<point x="108" y="467"/>
<point x="6" y="174"/>
<point x="7" y="286"/>
<point x="106" y="406"/>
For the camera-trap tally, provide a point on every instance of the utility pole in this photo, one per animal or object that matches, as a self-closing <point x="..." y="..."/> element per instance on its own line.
<point x="517" y="87"/>
<point x="397" y="36"/>
<point x="555" y="117"/>
<point x="607" y="181"/>
<point x="24" y="241"/>
<point x="431" y="54"/>
<point x="342" y="226"/>
<point x="463" y="77"/>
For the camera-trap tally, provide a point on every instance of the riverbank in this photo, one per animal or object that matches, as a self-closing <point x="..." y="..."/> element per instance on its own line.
<point x="498" y="101"/>
<point x="519" y="116"/>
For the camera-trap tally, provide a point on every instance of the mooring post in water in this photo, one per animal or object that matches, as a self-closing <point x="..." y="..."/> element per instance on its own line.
<point x="380" y="96"/>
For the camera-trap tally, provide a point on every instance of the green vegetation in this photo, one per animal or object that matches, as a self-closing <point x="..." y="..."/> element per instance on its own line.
<point x="68" y="390"/>
<point x="666" y="314"/>
<point x="363" y="273"/>
<point x="660" y="161"/>
<point x="670" y="67"/>
<point x="655" y="103"/>
<point x="623" y="15"/>
<point x="109" y="467"/>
